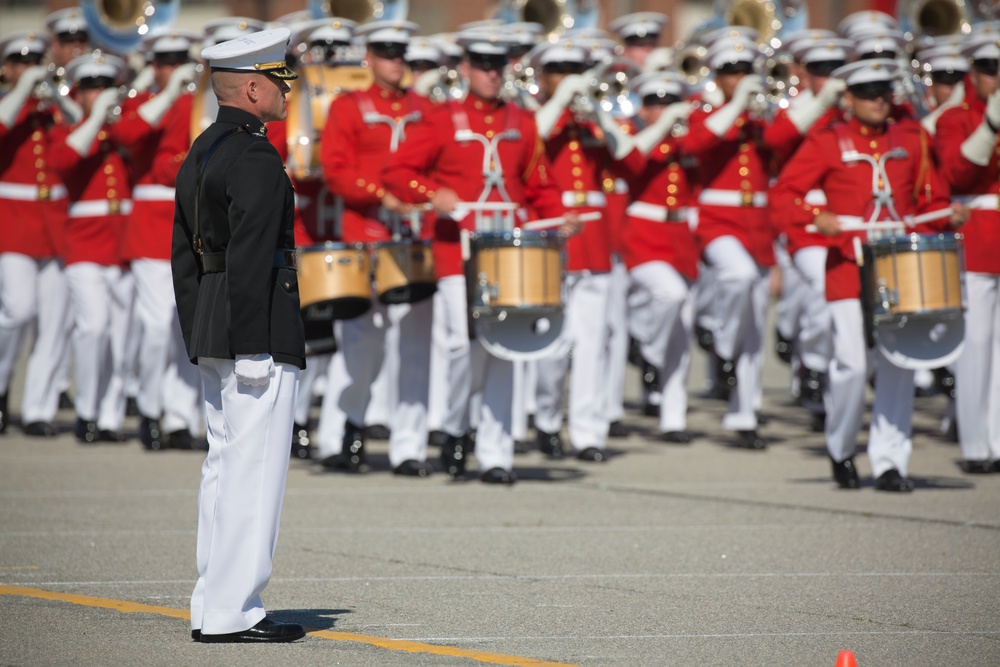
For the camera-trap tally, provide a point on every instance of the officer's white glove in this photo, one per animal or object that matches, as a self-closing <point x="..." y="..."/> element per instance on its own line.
<point x="720" y="121"/>
<point x="153" y="110"/>
<point x="82" y="138"/>
<point x="568" y="89"/>
<point x="254" y="370"/>
<point x="651" y="136"/>
<point x="979" y="147"/>
<point x="11" y="103"/>
<point x="619" y="142"/>
<point x="143" y="81"/>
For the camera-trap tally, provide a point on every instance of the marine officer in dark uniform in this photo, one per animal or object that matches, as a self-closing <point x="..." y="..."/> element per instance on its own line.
<point x="237" y="296"/>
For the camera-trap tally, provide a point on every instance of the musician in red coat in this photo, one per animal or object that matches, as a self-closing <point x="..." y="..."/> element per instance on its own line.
<point x="847" y="161"/>
<point x="967" y="148"/>
<point x="33" y="211"/>
<point x="444" y="162"/>
<point x="89" y="159"/>
<point x="734" y="232"/>
<point x="364" y="129"/>
<point x="168" y="395"/>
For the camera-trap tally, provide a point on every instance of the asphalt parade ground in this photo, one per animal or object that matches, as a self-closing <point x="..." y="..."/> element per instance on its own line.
<point x="700" y="554"/>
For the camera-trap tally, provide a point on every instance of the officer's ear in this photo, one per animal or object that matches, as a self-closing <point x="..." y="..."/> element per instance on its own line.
<point x="463" y="69"/>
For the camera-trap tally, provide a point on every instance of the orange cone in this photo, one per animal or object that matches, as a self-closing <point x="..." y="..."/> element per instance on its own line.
<point x="846" y="659"/>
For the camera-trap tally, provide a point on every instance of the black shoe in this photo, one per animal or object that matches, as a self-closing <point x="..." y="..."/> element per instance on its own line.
<point x="522" y="446"/>
<point x="181" y="439"/>
<point x="85" y="431"/>
<point x="945" y="382"/>
<point x="436" y="438"/>
<point x="676" y="437"/>
<point x="651" y="410"/>
<point x="750" y="440"/>
<point x="454" y="454"/>
<point x="811" y="386"/>
<point x="977" y="467"/>
<point x="66" y="401"/>
<point x="412" y="468"/>
<point x="616" y="429"/>
<point x="470" y="440"/>
<point x="845" y="474"/>
<point x="196" y="635"/>
<point x="783" y="347"/>
<point x="377" y="432"/>
<point x="131" y="407"/>
<point x="705" y="338"/>
<point x="592" y="454"/>
<point x="4" y="415"/>
<point x="265" y="631"/>
<point x="891" y="480"/>
<point x="725" y="374"/>
<point x="300" y="442"/>
<point x="107" y="435"/>
<point x="150" y="434"/>
<point x="498" y="476"/>
<point x="353" y="449"/>
<point x="39" y="429"/>
<point x="650" y="377"/>
<point x="551" y="445"/>
<point x="818" y="423"/>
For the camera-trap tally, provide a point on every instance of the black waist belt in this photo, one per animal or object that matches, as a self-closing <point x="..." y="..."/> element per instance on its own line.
<point x="215" y="262"/>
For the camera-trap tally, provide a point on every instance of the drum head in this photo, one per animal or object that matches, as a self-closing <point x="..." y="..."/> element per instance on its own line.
<point x="922" y="343"/>
<point x="521" y="335"/>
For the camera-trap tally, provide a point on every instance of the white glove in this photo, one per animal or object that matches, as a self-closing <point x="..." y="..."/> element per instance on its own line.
<point x="651" y="136"/>
<point x="619" y="142"/>
<point x="153" y="110"/>
<point x="143" y="81"/>
<point x="659" y="59"/>
<point x="12" y="102"/>
<point x="831" y="91"/>
<point x="425" y="82"/>
<point x="548" y="115"/>
<point x="254" y="370"/>
<point x="993" y="108"/>
<point x="723" y="119"/>
<point x="82" y="138"/>
<point x="805" y="114"/>
<point x="71" y="111"/>
<point x="979" y="147"/>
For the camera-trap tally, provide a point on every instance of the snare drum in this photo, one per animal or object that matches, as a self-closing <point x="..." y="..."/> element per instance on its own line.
<point x="516" y="269"/>
<point x="334" y="281"/>
<point x="919" y="275"/>
<point x="404" y="271"/>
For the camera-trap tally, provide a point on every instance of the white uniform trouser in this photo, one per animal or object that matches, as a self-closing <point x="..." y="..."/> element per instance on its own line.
<point x="977" y="371"/>
<point x="169" y="384"/>
<point x="618" y="332"/>
<point x="789" y="308"/>
<point x="585" y="332"/>
<point x="740" y="308"/>
<point x="661" y="315"/>
<point x="355" y="367"/>
<point x="384" y="386"/>
<point x="889" y="443"/>
<point x="437" y="393"/>
<point x="309" y="379"/>
<point x="814" y="343"/>
<point x="242" y="489"/>
<point x="33" y="290"/>
<point x="704" y="312"/>
<point x="101" y="304"/>
<point x="525" y="384"/>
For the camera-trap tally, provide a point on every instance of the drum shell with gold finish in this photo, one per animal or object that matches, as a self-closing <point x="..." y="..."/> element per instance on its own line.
<point x="919" y="275"/>
<point x="516" y="270"/>
<point x="334" y="281"/>
<point x="404" y="271"/>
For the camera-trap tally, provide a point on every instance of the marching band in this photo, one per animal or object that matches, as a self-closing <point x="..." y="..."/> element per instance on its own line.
<point x="491" y="222"/>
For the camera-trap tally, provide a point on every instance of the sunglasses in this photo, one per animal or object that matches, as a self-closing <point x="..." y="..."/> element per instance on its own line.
<point x="488" y="64"/>
<point x="986" y="66"/>
<point x="869" y="92"/>
<point x="25" y="58"/>
<point x="564" y="68"/>
<point x="735" y="68"/>
<point x="94" y="82"/>
<point x="948" y="78"/>
<point x="72" y="37"/>
<point x="659" y="100"/>
<point x="388" y="50"/>
<point x="823" y="68"/>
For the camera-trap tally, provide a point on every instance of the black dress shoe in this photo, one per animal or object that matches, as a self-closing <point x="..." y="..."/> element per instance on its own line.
<point x="131" y="407"/>
<point x="412" y="468"/>
<point x="498" y="476"/>
<point x="616" y="429"/>
<point x="705" y="338"/>
<point x="551" y="445"/>
<point x="845" y="474"/>
<point x="817" y="423"/>
<point x="352" y="454"/>
<point x="436" y="438"/>
<point x="945" y="382"/>
<point x="593" y="454"/>
<point x="39" y="429"/>
<point x="85" y="431"/>
<point x="300" y="442"/>
<point x="66" y="401"/>
<point x="4" y="414"/>
<point x="650" y="377"/>
<point x="522" y="446"/>
<point x="676" y="437"/>
<point x="651" y="409"/>
<point x="892" y="481"/>
<point x="377" y="432"/>
<point x="265" y="631"/>
<point x="811" y="386"/>
<point x="107" y="435"/>
<point x="725" y="373"/>
<point x="150" y="434"/>
<point x="977" y="467"/>
<point x="750" y="440"/>
<point x="783" y="347"/>
<point x="181" y="439"/>
<point x="470" y="441"/>
<point x="196" y="635"/>
<point x="454" y="455"/>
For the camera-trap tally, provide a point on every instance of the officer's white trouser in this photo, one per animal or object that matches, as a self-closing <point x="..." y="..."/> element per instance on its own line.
<point x="661" y="315"/>
<point x="814" y="344"/>
<point x="242" y="489"/>
<point x="384" y="386"/>
<point x="33" y="290"/>
<point x="357" y="363"/>
<point x="618" y="333"/>
<point x="311" y="376"/>
<point x="101" y="302"/>
<point x="977" y="371"/>
<point x="169" y="384"/>
<point x="889" y="443"/>
<point x="740" y="308"/>
<point x="586" y="333"/>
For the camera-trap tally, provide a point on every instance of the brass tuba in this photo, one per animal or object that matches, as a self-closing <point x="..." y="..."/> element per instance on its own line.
<point x="933" y="18"/>
<point x="556" y="16"/>
<point x="361" y="10"/>
<point x="120" y="25"/>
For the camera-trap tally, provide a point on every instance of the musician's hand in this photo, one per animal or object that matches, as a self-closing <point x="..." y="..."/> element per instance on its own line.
<point x="445" y="200"/>
<point x="572" y="225"/>
<point x="391" y="203"/>
<point x="105" y="102"/>
<point x="993" y="108"/>
<point x="748" y="86"/>
<point x="959" y="215"/>
<point x="32" y="76"/>
<point x="827" y="223"/>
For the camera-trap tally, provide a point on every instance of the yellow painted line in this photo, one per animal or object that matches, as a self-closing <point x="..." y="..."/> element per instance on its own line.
<point x="19" y="567"/>
<point x="380" y="642"/>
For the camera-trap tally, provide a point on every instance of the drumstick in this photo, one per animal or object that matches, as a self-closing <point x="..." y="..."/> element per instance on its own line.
<point x="928" y="217"/>
<point x="545" y="223"/>
<point x="861" y="226"/>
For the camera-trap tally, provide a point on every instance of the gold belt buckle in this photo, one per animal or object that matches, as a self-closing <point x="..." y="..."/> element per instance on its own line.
<point x="114" y="206"/>
<point x="609" y="185"/>
<point x="580" y="198"/>
<point x="44" y="193"/>
<point x="747" y="198"/>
